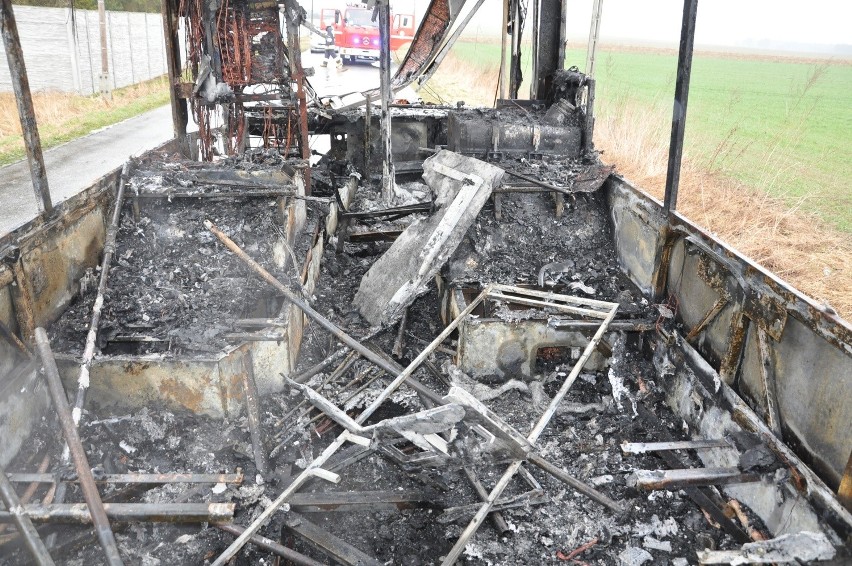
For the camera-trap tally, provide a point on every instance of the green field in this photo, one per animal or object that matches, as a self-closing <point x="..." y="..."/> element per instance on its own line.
<point x="781" y="125"/>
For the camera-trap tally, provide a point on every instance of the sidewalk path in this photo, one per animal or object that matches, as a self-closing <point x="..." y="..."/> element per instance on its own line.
<point x="73" y="166"/>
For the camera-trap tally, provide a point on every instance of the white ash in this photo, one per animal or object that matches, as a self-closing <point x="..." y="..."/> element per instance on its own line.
<point x="634" y="556"/>
<point x="651" y="543"/>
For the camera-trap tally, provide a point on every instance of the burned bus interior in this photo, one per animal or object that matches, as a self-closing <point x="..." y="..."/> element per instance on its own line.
<point x="354" y="329"/>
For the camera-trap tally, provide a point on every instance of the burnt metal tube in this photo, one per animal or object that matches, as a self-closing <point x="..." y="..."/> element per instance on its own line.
<point x="496" y="516"/>
<point x="75" y="446"/>
<point x="313" y="370"/>
<point x="25" y="526"/>
<point x="540" y="183"/>
<point x="272" y="546"/>
<point x="92" y="336"/>
<point x="78" y="513"/>
<point x="374" y="357"/>
<point x="134" y="478"/>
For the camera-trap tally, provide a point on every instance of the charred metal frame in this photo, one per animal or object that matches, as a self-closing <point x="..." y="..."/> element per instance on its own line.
<point x="23" y="522"/>
<point x="599" y="310"/>
<point x="24" y="100"/>
<point x="180" y="114"/>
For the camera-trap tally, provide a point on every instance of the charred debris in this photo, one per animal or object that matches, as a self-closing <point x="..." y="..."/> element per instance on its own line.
<point x="421" y="348"/>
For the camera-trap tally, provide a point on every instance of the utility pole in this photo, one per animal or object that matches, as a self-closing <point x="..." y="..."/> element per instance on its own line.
<point x="26" y="112"/>
<point x="105" y="90"/>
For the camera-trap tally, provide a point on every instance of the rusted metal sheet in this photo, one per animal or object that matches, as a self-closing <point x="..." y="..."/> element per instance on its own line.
<point x="810" y="346"/>
<point x="435" y="24"/>
<point x="494" y="346"/>
<point x="637" y="230"/>
<point x="712" y="408"/>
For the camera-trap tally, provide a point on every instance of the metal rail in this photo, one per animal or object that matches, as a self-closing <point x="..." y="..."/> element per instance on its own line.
<point x="19" y="516"/>
<point x="78" y="453"/>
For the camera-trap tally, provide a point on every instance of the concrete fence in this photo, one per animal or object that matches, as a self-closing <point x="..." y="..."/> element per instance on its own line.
<point x="62" y="49"/>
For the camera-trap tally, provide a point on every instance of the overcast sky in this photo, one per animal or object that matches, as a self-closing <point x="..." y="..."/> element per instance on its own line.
<point x="720" y="22"/>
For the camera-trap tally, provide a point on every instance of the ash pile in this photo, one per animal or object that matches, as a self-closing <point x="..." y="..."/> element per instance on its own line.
<point x="174" y="290"/>
<point x="475" y="386"/>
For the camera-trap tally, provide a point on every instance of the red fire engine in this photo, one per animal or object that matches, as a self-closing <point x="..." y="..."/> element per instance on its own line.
<point x="357" y="35"/>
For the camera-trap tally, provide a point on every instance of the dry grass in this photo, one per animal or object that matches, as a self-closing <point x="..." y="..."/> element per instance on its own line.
<point x="62" y="116"/>
<point x="460" y="81"/>
<point x="797" y="246"/>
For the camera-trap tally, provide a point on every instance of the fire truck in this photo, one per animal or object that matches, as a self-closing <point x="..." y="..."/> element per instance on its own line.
<point x="356" y="35"/>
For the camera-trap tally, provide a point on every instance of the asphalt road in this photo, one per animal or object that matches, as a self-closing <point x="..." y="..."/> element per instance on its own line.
<point x="75" y="165"/>
<point x="354" y="77"/>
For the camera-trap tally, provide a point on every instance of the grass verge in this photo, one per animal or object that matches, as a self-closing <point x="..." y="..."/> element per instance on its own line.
<point x="776" y="230"/>
<point x="62" y="117"/>
<point x="780" y="125"/>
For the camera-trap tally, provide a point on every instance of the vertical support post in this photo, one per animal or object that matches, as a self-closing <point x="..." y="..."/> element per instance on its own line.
<point x="594" y="33"/>
<point x="149" y="76"/>
<point x="105" y="90"/>
<point x="253" y="415"/>
<point x="180" y="116"/>
<point x="388" y="172"/>
<point x="130" y="48"/>
<point x="730" y="364"/>
<point x="368" y="127"/>
<point x="71" y="33"/>
<point x="549" y="52"/>
<point x="515" y="75"/>
<point x="294" y="14"/>
<point x="111" y="53"/>
<point x="563" y="35"/>
<point x="684" y="69"/>
<point x="767" y="372"/>
<point x="24" y="100"/>
<point x="504" y="47"/>
<point x="589" y="134"/>
<point x="534" y="41"/>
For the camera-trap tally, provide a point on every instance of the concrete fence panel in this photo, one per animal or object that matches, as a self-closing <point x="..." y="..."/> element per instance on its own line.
<point x="62" y="49"/>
